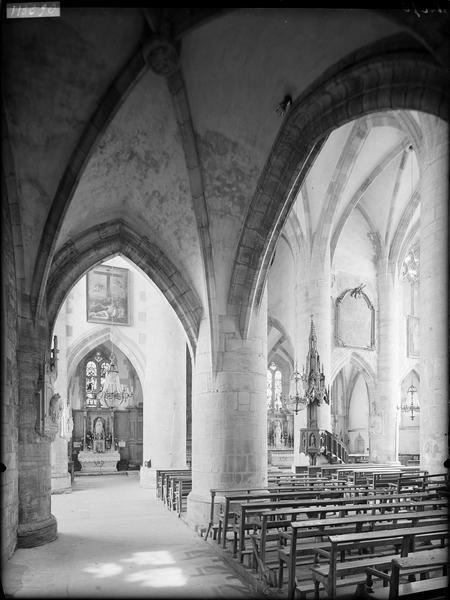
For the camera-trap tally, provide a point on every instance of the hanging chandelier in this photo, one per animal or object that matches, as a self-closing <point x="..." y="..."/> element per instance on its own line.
<point x="297" y="402"/>
<point x="113" y="392"/>
<point x="411" y="408"/>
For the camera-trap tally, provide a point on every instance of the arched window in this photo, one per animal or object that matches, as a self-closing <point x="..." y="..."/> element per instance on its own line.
<point x="95" y="371"/>
<point x="91" y="376"/>
<point x="274" y="387"/>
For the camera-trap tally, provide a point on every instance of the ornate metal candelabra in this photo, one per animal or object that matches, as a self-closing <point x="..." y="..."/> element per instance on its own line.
<point x="411" y="408"/>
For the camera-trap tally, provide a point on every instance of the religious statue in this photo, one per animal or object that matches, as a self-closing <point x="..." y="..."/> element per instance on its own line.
<point x="322" y="442"/>
<point x="98" y="429"/>
<point x="303" y="449"/>
<point x="55" y="408"/>
<point x="52" y="418"/>
<point x="278" y="434"/>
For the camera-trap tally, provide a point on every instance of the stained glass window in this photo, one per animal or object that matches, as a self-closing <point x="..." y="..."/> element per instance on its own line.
<point x="104" y="368"/>
<point x="91" y="376"/>
<point x="269" y="389"/>
<point x="274" y="387"/>
<point x="95" y="372"/>
<point x="277" y="390"/>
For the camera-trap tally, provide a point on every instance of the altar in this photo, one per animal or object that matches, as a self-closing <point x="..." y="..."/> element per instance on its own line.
<point x="98" y="454"/>
<point x="98" y="462"/>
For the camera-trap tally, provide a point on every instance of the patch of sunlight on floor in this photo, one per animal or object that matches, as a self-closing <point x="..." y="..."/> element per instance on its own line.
<point x="158" y="557"/>
<point x="104" y="570"/>
<point x="167" y="577"/>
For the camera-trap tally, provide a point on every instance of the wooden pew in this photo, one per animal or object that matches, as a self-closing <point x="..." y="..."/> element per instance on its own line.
<point x="220" y="491"/>
<point x="435" y="481"/>
<point x="275" y="527"/>
<point x="246" y="513"/>
<point x="182" y="490"/>
<point x="302" y="530"/>
<point x="174" y="483"/>
<point x="160" y="475"/>
<point x="297" y="482"/>
<point x="260" y="502"/>
<point x="354" y="569"/>
<point x="269" y="495"/>
<point x="167" y="486"/>
<point x="416" y="562"/>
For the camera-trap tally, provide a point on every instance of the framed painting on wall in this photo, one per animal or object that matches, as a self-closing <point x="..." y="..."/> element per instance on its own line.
<point x="412" y="326"/>
<point x="107" y="295"/>
<point x="354" y="320"/>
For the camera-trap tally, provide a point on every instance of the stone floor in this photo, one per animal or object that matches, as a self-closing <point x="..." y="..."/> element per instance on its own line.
<point x="117" y="541"/>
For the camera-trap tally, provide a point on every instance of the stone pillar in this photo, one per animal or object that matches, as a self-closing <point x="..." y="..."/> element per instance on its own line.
<point x="383" y="409"/>
<point x="164" y="391"/>
<point x="37" y="525"/>
<point x="229" y="416"/>
<point x="433" y="298"/>
<point x="61" y="482"/>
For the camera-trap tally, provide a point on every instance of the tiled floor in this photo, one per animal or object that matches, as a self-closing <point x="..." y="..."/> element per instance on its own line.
<point x="117" y="541"/>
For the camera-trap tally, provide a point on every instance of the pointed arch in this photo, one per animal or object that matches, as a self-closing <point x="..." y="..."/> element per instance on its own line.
<point x="110" y="239"/>
<point x="93" y="338"/>
<point x="370" y="81"/>
<point x="410" y="371"/>
<point x="283" y="346"/>
<point x="361" y="367"/>
<point x="10" y="193"/>
<point x="108" y="106"/>
<point x="354" y="200"/>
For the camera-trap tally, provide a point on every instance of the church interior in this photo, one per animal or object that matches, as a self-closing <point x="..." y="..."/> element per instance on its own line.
<point x="224" y="253"/>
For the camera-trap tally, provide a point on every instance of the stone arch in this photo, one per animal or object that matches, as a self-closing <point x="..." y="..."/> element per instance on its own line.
<point x="284" y="342"/>
<point x="94" y="129"/>
<point x="339" y="375"/>
<point x="93" y="338"/>
<point x="110" y="239"/>
<point x="410" y="371"/>
<point x="402" y="229"/>
<point x="361" y="367"/>
<point x="408" y="80"/>
<point x="12" y="205"/>
<point x="354" y="200"/>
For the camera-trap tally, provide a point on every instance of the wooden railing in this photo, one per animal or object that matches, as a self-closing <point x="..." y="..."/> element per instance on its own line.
<point x="321" y="441"/>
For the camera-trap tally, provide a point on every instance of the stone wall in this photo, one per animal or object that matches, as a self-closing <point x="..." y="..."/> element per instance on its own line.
<point x="9" y="449"/>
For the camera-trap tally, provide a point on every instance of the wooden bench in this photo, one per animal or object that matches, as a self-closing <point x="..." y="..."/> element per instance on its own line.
<point x="160" y="479"/>
<point x="220" y="491"/>
<point x="416" y="562"/>
<point x="259" y="502"/>
<point x="356" y="522"/>
<point x="172" y="483"/>
<point x="182" y="490"/>
<point x="275" y="527"/>
<point x="352" y="571"/>
<point x="435" y="481"/>
<point x="212" y="527"/>
<point x="246" y="515"/>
